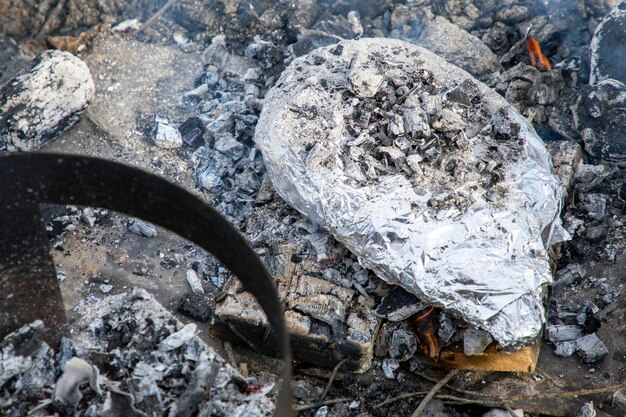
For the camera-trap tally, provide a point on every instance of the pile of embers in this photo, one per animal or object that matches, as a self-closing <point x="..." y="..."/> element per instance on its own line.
<point x="226" y="102"/>
<point x="133" y="352"/>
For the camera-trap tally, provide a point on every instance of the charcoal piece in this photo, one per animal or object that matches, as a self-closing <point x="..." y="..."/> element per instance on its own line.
<point x="43" y="100"/>
<point x="588" y="320"/>
<point x="595" y="204"/>
<point x="226" y="144"/>
<point x="565" y="349"/>
<point x="194" y="282"/>
<point x="66" y="351"/>
<point x="513" y="14"/>
<point x="403" y="345"/>
<point x="141" y="228"/>
<point x="389" y="367"/>
<point x="165" y="135"/>
<point x="459" y="47"/>
<point x="192" y="132"/>
<point x="571" y="274"/>
<point x="309" y="40"/>
<point x="602" y="119"/>
<point x="447" y="328"/>
<point x="608" y="47"/>
<point x="475" y="341"/>
<point x="399" y="305"/>
<point x="192" y="98"/>
<point x="596" y="234"/>
<point x="195" y="306"/>
<point x="562" y="333"/>
<point x="591" y="348"/>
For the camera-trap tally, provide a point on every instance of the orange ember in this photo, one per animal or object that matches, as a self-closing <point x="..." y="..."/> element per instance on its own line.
<point x="430" y="310"/>
<point x="537" y="59"/>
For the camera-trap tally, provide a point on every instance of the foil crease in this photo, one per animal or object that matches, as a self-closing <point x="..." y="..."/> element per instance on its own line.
<point x="487" y="265"/>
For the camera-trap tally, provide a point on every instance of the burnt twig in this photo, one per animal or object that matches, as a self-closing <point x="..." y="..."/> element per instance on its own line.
<point x="54" y="14"/>
<point x="332" y="378"/>
<point x="156" y="15"/>
<point x="399" y="397"/>
<point x="451" y="388"/>
<point x="433" y="391"/>
<point x="316" y="404"/>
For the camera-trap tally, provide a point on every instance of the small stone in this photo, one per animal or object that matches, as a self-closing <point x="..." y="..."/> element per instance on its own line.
<point x="88" y="216"/>
<point x="322" y="411"/>
<point x="105" y="288"/>
<point x="587" y="410"/>
<point x="389" y="367"/>
<point x="141" y="228"/>
<point x="194" y="282"/>
<point x="475" y="341"/>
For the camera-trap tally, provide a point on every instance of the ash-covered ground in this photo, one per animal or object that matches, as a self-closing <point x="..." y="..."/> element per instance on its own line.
<point x="182" y="98"/>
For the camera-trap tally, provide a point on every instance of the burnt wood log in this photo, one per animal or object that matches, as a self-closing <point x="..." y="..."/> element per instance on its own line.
<point x="46" y="98"/>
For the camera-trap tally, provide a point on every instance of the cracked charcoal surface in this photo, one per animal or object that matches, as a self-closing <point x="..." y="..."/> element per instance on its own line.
<point x="45" y="99"/>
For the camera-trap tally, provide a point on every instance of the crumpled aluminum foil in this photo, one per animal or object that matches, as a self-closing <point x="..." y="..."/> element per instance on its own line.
<point x="487" y="265"/>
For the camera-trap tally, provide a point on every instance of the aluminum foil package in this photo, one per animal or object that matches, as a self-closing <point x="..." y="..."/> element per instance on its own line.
<point x="431" y="178"/>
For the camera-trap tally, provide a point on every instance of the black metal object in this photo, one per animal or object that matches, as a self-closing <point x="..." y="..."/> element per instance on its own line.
<point x="28" y="286"/>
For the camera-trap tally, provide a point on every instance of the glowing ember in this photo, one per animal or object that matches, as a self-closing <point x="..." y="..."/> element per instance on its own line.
<point x="537" y="58"/>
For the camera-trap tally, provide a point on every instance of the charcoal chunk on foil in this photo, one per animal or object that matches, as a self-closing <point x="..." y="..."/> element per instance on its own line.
<point x="432" y="179"/>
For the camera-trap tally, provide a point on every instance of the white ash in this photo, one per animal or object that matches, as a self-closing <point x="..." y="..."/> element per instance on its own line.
<point x="389" y="368"/>
<point x="194" y="282"/>
<point x="338" y="153"/>
<point x="46" y="98"/>
<point x="121" y="339"/>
